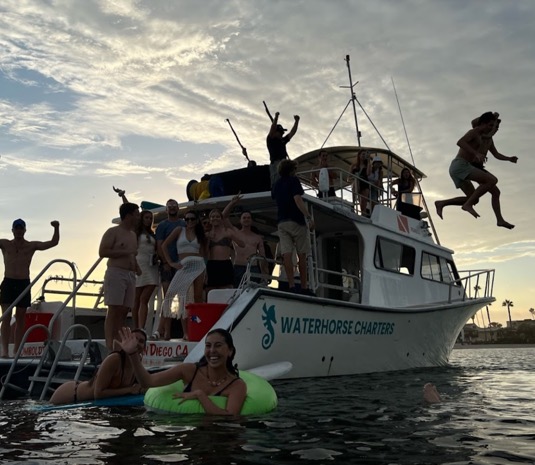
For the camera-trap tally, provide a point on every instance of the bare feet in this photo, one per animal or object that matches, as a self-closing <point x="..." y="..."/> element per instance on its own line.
<point x="439" y="205"/>
<point x="505" y="224"/>
<point x="470" y="209"/>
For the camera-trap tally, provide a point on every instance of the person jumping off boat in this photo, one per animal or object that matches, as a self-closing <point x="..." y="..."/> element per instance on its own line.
<point x="467" y="166"/>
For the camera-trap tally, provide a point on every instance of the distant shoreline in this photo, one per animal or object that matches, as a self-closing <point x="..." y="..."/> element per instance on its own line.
<point x="491" y="346"/>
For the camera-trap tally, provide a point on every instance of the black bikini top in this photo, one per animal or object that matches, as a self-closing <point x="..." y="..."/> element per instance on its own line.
<point x="225" y="242"/>
<point x="218" y="393"/>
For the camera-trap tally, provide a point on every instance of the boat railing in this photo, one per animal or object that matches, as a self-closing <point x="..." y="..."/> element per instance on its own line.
<point x="35" y="280"/>
<point x="347" y="195"/>
<point x="350" y="283"/>
<point x="476" y="284"/>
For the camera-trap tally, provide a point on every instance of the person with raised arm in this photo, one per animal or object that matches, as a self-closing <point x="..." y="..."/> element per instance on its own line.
<point x="253" y="244"/>
<point x="114" y="377"/>
<point x="213" y="375"/>
<point x="276" y="144"/>
<point x="463" y="171"/>
<point x="18" y="254"/>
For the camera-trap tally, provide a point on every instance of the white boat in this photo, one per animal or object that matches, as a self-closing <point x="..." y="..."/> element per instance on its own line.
<point x="387" y="297"/>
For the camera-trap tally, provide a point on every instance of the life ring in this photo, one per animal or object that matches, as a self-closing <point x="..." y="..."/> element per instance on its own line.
<point x="261" y="398"/>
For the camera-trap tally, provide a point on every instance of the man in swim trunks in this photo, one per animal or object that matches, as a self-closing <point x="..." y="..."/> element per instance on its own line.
<point x="119" y="245"/>
<point x="464" y="169"/>
<point x="18" y="254"/>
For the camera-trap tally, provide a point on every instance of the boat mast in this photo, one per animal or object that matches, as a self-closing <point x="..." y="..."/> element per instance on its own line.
<point x="353" y="99"/>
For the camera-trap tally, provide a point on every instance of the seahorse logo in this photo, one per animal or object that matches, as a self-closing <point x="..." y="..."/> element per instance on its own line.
<point x="269" y="319"/>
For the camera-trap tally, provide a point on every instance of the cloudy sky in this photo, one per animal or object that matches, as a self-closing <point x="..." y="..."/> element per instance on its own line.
<point x="135" y="94"/>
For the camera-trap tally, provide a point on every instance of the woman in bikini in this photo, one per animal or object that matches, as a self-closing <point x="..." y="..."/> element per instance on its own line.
<point x="219" y="269"/>
<point x="191" y="247"/>
<point x="115" y="376"/>
<point x="213" y="375"/>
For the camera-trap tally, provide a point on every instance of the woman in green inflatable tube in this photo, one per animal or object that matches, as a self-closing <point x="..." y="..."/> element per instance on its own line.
<point x="213" y="375"/>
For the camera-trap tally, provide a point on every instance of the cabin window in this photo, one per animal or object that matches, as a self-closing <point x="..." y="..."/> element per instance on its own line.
<point x="394" y="256"/>
<point x="431" y="267"/>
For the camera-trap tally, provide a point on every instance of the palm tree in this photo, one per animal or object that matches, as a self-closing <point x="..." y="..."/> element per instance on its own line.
<point x="477" y="287"/>
<point x="532" y="311"/>
<point x="488" y="314"/>
<point x="508" y="303"/>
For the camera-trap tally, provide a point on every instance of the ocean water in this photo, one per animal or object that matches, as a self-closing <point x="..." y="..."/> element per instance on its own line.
<point x="487" y="417"/>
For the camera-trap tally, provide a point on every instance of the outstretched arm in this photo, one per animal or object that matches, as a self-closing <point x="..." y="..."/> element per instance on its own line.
<point x="121" y="193"/>
<point x="294" y="127"/>
<point x="499" y="156"/>
<point x="273" y="127"/>
<point x="129" y="344"/>
<point x="52" y="242"/>
<point x="228" y="209"/>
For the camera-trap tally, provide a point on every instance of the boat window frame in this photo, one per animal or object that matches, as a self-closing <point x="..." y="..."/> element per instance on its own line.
<point x="444" y="265"/>
<point x="403" y="247"/>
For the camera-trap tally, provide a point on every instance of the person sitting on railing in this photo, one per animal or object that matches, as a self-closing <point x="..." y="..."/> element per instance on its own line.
<point x="18" y="254"/>
<point x="115" y="377"/>
<point x="359" y="168"/>
<point x="323" y="162"/>
<point x="406" y="184"/>
<point x="375" y="177"/>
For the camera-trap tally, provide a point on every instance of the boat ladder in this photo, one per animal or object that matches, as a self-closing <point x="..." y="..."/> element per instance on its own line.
<point x="53" y="353"/>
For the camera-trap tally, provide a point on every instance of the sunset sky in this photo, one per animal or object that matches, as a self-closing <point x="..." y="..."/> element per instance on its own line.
<point x="135" y="94"/>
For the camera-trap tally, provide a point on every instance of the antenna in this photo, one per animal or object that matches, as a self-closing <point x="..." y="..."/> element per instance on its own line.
<point x="353" y="99"/>
<point x="414" y="164"/>
<point x="402" y="121"/>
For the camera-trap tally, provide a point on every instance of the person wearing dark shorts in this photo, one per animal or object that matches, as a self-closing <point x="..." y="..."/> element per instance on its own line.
<point x="18" y="254"/>
<point x="220" y="273"/>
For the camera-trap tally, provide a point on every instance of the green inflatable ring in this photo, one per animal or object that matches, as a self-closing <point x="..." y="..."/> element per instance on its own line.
<point x="261" y="398"/>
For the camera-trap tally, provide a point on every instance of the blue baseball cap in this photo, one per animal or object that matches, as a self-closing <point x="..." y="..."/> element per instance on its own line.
<point x="19" y="224"/>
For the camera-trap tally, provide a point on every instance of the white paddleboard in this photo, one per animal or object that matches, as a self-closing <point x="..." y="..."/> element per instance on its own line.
<point x="273" y="370"/>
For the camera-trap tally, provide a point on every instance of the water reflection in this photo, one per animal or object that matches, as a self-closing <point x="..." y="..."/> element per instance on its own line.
<point x="486" y="417"/>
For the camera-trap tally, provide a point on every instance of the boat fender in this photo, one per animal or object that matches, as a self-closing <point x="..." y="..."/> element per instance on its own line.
<point x="323" y="182"/>
<point x="261" y="398"/>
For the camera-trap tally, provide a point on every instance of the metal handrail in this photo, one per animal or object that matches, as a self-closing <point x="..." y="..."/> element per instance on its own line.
<point x="57" y="358"/>
<point x="472" y="284"/>
<point x="72" y="295"/>
<point x="19" y="298"/>
<point x="7" y="383"/>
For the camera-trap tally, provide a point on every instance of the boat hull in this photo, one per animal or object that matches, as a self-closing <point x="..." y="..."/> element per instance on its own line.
<point x="323" y="337"/>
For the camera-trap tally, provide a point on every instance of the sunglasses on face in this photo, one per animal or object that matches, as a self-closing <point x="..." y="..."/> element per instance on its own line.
<point x="190" y="218"/>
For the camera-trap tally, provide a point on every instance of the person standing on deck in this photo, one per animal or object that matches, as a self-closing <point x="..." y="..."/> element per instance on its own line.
<point x="18" y="254"/>
<point x="253" y="244"/>
<point x="292" y="216"/>
<point x="276" y="144"/>
<point x="167" y="272"/>
<point x="119" y="246"/>
<point x="468" y="166"/>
